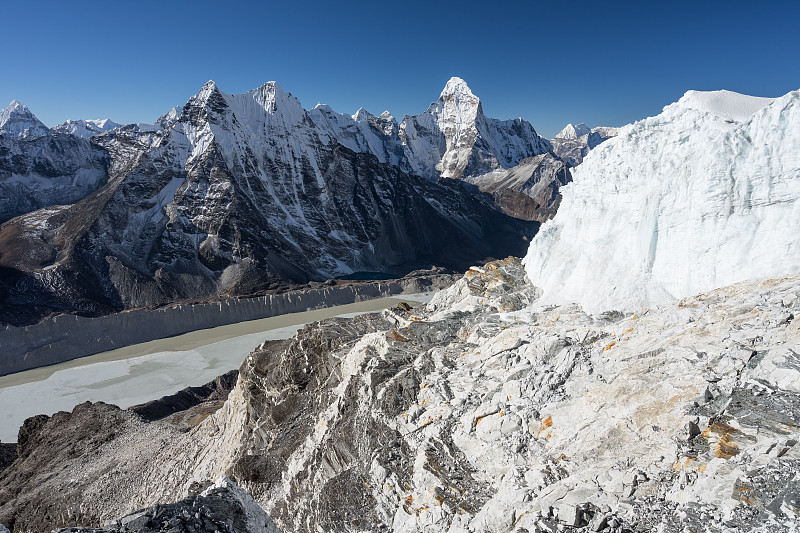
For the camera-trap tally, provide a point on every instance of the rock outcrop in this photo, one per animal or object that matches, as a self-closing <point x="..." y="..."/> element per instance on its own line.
<point x="221" y="507"/>
<point x="213" y="393"/>
<point x="483" y="411"/>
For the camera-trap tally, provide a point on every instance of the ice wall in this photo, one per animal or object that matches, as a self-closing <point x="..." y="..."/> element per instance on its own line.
<point x="703" y="195"/>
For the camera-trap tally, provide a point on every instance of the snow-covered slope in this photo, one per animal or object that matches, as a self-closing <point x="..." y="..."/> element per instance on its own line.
<point x="361" y="132"/>
<point x="47" y="170"/>
<point x="17" y="122"/>
<point x="86" y="128"/>
<point x="703" y="195"/>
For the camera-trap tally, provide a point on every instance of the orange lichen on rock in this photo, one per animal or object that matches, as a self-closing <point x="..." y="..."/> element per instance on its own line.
<point x="546" y="423"/>
<point x="744" y="494"/>
<point x="396" y="336"/>
<point x="609" y="346"/>
<point x="721" y="439"/>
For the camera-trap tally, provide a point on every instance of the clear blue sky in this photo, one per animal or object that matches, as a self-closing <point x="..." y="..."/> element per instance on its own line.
<point x="603" y="63"/>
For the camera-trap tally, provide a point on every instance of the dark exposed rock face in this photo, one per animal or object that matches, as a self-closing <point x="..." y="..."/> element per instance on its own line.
<point x="8" y="453"/>
<point x="241" y="194"/>
<point x="45" y="443"/>
<point x="214" y="391"/>
<point x="528" y="191"/>
<point x="51" y="169"/>
<point x="220" y="507"/>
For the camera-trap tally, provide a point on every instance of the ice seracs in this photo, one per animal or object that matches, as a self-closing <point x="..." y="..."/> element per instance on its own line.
<point x="703" y="195"/>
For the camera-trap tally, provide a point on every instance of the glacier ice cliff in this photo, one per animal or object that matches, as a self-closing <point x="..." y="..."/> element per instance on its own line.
<point x="701" y="196"/>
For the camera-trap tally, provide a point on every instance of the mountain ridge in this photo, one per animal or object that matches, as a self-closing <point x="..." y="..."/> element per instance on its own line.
<point x="236" y="194"/>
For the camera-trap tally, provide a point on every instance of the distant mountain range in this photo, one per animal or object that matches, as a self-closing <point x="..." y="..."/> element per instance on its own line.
<point x="240" y="194"/>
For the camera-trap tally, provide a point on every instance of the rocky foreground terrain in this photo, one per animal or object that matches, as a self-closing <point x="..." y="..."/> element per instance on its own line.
<point x="483" y="411"/>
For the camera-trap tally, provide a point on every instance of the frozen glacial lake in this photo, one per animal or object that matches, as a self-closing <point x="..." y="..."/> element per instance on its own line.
<point x="147" y="371"/>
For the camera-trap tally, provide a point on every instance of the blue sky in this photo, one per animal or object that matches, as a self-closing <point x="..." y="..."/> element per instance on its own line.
<point x="603" y="63"/>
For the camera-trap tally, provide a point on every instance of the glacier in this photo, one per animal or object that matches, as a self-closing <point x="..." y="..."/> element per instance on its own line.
<point x="701" y="196"/>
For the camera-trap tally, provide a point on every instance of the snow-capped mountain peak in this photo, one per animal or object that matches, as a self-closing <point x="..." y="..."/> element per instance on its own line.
<point x="456" y="87"/>
<point x="17" y="121"/>
<point x="454" y="139"/>
<point x="170" y="117"/>
<point x="387" y="117"/>
<point x="272" y="98"/>
<point x="573" y="131"/>
<point x="362" y="115"/>
<point x="575" y="141"/>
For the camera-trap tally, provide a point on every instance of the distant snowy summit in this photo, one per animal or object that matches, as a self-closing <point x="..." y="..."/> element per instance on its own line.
<point x="17" y="122"/>
<point x="40" y="167"/>
<point x="451" y="139"/>
<point x="703" y="195"/>
<point x="573" y="131"/>
<point x="86" y="128"/>
<point x="574" y="142"/>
